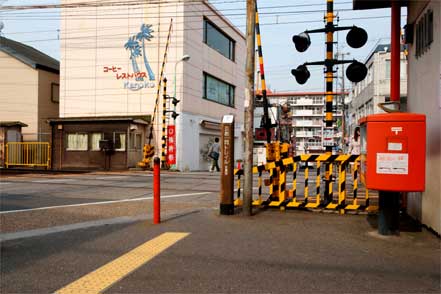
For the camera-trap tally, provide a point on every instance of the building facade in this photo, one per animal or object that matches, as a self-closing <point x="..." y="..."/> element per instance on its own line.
<point x="29" y="89"/>
<point x="423" y="38"/>
<point x="111" y="63"/>
<point x="375" y="88"/>
<point x="424" y="96"/>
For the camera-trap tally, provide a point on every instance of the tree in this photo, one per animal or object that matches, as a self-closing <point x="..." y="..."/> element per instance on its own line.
<point x="143" y="35"/>
<point x="135" y="51"/>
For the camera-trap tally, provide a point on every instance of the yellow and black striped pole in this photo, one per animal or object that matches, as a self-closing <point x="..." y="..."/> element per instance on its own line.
<point x="317" y="185"/>
<point x="355" y="181"/>
<point x="306" y="183"/>
<point x="164" y="61"/>
<point x="294" y="181"/>
<point x="341" y="186"/>
<point x="329" y="91"/>
<point x="164" y="125"/>
<point x="267" y="124"/>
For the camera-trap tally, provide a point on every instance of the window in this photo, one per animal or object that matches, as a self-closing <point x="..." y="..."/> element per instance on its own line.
<point x="55" y="93"/>
<point x="119" y="141"/>
<point x="95" y="141"/>
<point x="218" y="40"/>
<point x="218" y="91"/>
<point x="387" y="70"/>
<point x="424" y="33"/>
<point x="370" y="74"/>
<point x="135" y="141"/>
<point x="76" y="142"/>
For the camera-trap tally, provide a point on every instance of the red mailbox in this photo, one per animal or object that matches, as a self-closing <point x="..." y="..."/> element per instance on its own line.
<point x="393" y="149"/>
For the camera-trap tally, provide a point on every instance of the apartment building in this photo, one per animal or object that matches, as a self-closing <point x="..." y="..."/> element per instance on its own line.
<point x="375" y="88"/>
<point x="308" y="114"/>
<point x="111" y="57"/>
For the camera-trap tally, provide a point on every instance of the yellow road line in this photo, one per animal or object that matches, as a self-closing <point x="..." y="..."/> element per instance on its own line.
<point x="107" y="275"/>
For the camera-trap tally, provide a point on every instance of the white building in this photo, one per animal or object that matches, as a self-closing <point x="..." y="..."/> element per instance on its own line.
<point x="308" y="114"/>
<point x="375" y="88"/>
<point x="423" y="96"/>
<point x="102" y="46"/>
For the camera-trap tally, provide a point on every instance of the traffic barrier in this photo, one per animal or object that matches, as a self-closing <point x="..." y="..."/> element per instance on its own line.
<point x="281" y="196"/>
<point x="28" y="154"/>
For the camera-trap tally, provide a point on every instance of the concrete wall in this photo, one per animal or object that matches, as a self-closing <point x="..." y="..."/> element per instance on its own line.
<point x="424" y="96"/>
<point x="19" y="94"/>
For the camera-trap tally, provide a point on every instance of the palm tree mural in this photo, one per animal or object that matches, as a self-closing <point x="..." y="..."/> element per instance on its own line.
<point x="143" y="35"/>
<point x="135" y="51"/>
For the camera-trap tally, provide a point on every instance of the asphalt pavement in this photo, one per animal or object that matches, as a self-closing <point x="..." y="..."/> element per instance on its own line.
<point x="72" y="233"/>
<point x="271" y="252"/>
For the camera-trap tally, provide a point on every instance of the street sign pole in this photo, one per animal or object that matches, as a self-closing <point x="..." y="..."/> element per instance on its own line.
<point x="227" y="166"/>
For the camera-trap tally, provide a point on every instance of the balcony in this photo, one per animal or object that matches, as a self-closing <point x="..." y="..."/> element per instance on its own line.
<point x="298" y="102"/>
<point x="307" y="112"/>
<point x="304" y="134"/>
<point x="308" y="123"/>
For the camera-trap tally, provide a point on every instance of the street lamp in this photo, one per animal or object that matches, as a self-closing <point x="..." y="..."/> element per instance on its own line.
<point x="186" y="57"/>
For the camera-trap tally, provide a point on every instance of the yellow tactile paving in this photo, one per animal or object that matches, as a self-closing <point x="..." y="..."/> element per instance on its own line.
<point x="107" y="275"/>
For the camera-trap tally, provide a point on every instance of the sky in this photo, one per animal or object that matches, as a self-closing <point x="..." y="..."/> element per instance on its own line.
<point x="279" y="20"/>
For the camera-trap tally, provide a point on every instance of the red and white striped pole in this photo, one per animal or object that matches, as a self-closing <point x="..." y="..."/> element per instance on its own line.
<point x="156" y="191"/>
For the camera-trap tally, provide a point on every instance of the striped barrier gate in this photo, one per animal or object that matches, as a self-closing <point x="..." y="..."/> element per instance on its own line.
<point x="306" y="192"/>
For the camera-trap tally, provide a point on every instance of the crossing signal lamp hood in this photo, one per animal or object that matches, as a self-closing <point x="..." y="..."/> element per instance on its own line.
<point x="356" y="37"/>
<point x="301" y="73"/>
<point x="302" y="41"/>
<point x="356" y="71"/>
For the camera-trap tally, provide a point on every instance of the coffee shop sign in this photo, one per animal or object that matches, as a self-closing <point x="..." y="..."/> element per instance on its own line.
<point x="131" y="81"/>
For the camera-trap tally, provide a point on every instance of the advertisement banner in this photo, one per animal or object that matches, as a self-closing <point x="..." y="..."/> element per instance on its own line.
<point x="171" y="145"/>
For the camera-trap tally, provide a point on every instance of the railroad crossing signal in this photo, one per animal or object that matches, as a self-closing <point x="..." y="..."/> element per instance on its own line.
<point x="301" y="73"/>
<point x="356" y="71"/>
<point x="302" y="41"/>
<point x="356" y="38"/>
<point x="175" y="102"/>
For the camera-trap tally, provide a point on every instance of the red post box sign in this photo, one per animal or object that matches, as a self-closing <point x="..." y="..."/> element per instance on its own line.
<point x="393" y="151"/>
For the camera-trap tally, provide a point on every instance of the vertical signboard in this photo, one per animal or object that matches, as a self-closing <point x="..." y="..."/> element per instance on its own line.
<point x="227" y="166"/>
<point x="171" y="144"/>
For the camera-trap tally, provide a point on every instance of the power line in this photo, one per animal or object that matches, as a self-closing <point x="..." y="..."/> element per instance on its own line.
<point x="191" y="29"/>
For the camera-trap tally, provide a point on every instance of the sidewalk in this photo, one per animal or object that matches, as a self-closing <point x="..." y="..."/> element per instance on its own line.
<point x="272" y="252"/>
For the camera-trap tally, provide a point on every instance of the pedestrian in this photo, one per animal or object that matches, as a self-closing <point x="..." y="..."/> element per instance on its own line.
<point x="213" y="153"/>
<point x="354" y="144"/>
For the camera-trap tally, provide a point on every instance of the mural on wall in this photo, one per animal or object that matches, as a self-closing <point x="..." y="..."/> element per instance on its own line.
<point x="136" y="45"/>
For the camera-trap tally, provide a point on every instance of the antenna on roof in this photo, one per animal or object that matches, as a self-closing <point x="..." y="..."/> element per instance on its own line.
<point x="2" y="25"/>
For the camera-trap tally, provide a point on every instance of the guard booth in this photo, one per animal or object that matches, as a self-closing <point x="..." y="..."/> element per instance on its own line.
<point x="393" y="152"/>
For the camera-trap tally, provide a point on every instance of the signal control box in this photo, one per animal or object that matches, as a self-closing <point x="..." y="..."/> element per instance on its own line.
<point x="393" y="151"/>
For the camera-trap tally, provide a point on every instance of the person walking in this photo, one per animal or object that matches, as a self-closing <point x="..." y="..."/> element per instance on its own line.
<point x="213" y="153"/>
<point x="354" y="144"/>
<point x="354" y="147"/>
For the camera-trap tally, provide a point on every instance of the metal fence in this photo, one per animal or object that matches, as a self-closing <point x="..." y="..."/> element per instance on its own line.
<point x="28" y="154"/>
<point x="299" y="182"/>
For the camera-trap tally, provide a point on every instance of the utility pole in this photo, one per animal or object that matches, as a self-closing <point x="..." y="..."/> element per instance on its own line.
<point x="342" y="96"/>
<point x="329" y="93"/>
<point x="249" y="109"/>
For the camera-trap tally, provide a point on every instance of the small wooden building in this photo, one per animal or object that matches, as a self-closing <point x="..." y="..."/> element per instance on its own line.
<point x="98" y="143"/>
<point x="10" y="131"/>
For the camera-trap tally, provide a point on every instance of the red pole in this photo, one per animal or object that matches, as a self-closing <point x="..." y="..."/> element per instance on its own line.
<point x="395" y="57"/>
<point x="156" y="191"/>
